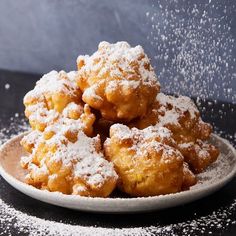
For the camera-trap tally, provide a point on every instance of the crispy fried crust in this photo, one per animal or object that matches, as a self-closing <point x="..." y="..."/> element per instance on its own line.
<point x="52" y="94"/>
<point x="144" y="161"/>
<point x="64" y="159"/>
<point x="118" y="80"/>
<point x="181" y="116"/>
<point x="199" y="155"/>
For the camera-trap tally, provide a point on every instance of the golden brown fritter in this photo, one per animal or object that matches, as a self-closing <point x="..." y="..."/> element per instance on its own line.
<point x="181" y="116"/>
<point x="144" y="161"/>
<point x="51" y="95"/>
<point x="118" y="80"/>
<point x="64" y="159"/>
<point x="199" y="155"/>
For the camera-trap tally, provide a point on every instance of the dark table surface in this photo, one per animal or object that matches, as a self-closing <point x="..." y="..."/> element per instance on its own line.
<point x="222" y="115"/>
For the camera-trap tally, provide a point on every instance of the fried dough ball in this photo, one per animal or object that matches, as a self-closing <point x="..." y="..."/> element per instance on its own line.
<point x="181" y="116"/>
<point x="144" y="161"/>
<point x="199" y="155"/>
<point x="40" y="117"/>
<point x="56" y="90"/>
<point x="84" y="123"/>
<point x="73" y="111"/>
<point x="64" y="159"/>
<point x="118" y="80"/>
<point x="30" y="140"/>
<point x="52" y="93"/>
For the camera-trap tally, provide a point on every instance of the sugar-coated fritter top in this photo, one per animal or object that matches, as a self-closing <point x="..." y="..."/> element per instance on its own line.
<point x="118" y="80"/>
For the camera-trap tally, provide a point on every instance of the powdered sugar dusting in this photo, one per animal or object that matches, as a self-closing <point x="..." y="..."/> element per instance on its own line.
<point x="90" y="92"/>
<point x="123" y="132"/>
<point x="122" y="83"/>
<point x="216" y="171"/>
<point x="172" y="108"/>
<point x="39" y="113"/>
<point x="72" y="107"/>
<point x="53" y="82"/>
<point x="115" y="59"/>
<point x="35" y="226"/>
<point x="141" y="140"/>
<point x="51" y="94"/>
<point x="182" y="103"/>
<point x="83" y="155"/>
<point x="7" y="86"/>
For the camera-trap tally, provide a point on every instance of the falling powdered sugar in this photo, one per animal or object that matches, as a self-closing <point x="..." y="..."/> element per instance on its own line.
<point x="7" y="86"/>
<point x="193" y="48"/>
<point x="18" y="124"/>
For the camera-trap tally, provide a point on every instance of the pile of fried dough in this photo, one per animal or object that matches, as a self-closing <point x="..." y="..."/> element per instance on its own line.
<point x="108" y="126"/>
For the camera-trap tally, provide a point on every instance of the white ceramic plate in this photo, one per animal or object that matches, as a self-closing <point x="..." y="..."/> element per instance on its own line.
<point x="216" y="176"/>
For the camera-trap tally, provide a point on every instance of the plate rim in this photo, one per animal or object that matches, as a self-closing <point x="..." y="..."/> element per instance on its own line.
<point x="199" y="193"/>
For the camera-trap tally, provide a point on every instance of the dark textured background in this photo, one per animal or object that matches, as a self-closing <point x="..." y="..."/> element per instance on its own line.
<point x="44" y="35"/>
